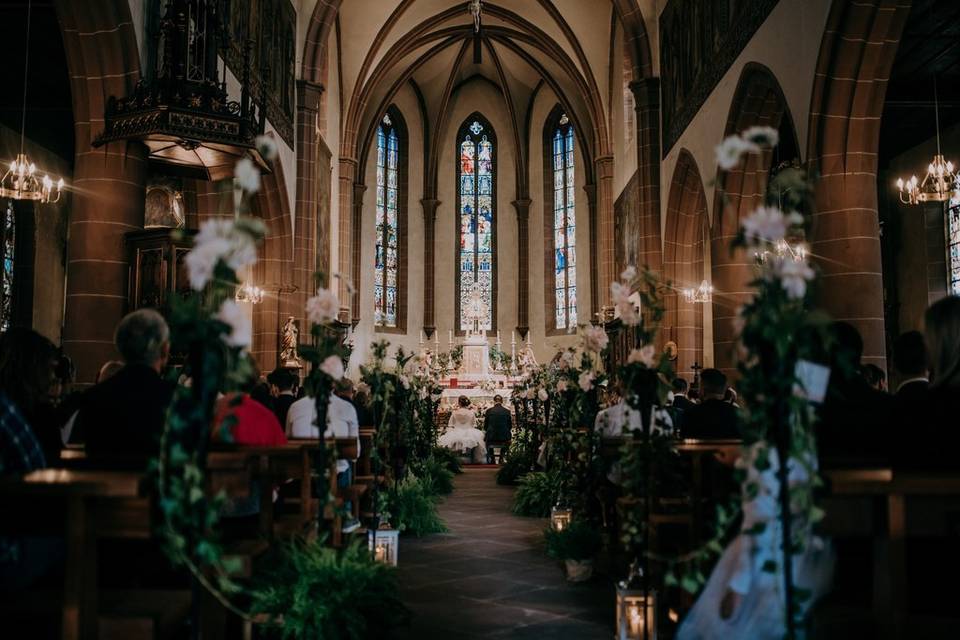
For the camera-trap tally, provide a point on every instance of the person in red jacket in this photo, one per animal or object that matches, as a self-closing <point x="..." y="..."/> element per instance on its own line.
<point x="253" y="424"/>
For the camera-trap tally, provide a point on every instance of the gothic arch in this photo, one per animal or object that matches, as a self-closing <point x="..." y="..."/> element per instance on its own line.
<point x="758" y="101"/>
<point x="685" y="237"/>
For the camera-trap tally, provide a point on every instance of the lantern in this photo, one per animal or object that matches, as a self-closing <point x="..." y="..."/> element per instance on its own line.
<point x="384" y="544"/>
<point x="636" y="613"/>
<point x="560" y="517"/>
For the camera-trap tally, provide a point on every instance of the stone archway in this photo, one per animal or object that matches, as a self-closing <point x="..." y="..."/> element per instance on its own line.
<point x="683" y="261"/>
<point x="856" y="55"/>
<point x="758" y="100"/>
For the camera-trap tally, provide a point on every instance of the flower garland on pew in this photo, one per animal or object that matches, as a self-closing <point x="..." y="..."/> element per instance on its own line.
<point x="779" y="340"/>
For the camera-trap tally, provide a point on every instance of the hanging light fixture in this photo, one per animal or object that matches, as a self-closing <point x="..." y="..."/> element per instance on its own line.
<point x="249" y="293"/>
<point x="22" y="180"/>
<point x="941" y="179"/>
<point x="700" y="295"/>
<point x="782" y="248"/>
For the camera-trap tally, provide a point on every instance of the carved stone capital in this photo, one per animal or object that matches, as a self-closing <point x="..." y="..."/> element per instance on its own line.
<point x="646" y="93"/>
<point x="522" y="205"/>
<point x="308" y="95"/>
<point x="429" y="208"/>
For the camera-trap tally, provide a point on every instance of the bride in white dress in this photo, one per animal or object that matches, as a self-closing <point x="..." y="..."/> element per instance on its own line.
<point x="462" y="434"/>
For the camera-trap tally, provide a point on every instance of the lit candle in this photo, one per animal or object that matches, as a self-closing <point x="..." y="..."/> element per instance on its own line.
<point x="513" y="337"/>
<point x="498" y="336"/>
<point x="450" y="336"/>
<point x="380" y="555"/>
<point x="421" y="337"/>
<point x="636" y="621"/>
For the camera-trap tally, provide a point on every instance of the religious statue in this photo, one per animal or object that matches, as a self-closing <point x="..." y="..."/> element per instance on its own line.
<point x="476" y="7"/>
<point x="475" y="308"/>
<point x="288" y="344"/>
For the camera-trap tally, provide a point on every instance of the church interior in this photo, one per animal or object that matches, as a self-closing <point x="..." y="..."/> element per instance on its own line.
<point x="623" y="318"/>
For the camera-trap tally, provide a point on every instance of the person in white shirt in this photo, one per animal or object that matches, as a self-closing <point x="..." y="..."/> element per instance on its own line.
<point x="619" y="417"/>
<point x="342" y="422"/>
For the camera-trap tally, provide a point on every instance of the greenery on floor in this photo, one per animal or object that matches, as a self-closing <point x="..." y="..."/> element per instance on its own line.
<point x="411" y="508"/>
<point x="325" y="594"/>
<point x="578" y="541"/>
<point x="536" y="494"/>
<point x="435" y="476"/>
<point x="449" y="459"/>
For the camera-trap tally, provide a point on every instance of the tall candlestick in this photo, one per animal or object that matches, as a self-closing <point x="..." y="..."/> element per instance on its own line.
<point x="498" y="337"/>
<point x="450" y="337"/>
<point x="513" y="337"/>
<point x="421" y="337"/>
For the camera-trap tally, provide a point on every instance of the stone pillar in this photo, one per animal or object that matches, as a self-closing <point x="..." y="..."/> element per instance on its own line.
<point x="522" y="205"/>
<point x="646" y="98"/>
<point x="108" y="202"/>
<point x="306" y="240"/>
<point x="354" y="273"/>
<point x="429" y="267"/>
<point x="348" y="169"/>
<point x="605" y="232"/>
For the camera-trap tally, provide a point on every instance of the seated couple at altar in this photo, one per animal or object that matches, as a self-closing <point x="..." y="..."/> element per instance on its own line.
<point x="463" y="436"/>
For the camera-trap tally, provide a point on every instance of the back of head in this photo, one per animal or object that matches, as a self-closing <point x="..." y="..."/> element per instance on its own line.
<point x="143" y="337"/>
<point x="109" y="369"/>
<point x="874" y="375"/>
<point x="713" y="382"/>
<point x="343" y="387"/>
<point x="498" y="399"/>
<point x="27" y="367"/>
<point x="282" y="378"/>
<point x="847" y="346"/>
<point x="942" y="330"/>
<point x="910" y="354"/>
<point x="679" y="385"/>
<point x="463" y="401"/>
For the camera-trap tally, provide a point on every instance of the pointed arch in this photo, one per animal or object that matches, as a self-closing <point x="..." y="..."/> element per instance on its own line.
<point x="476" y="246"/>
<point x="685" y="238"/>
<point x="559" y="222"/>
<point x="392" y="148"/>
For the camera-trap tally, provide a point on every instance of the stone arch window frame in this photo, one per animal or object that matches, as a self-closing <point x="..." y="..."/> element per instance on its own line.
<point x="398" y="123"/>
<point x="491" y="135"/>
<point x="550" y="127"/>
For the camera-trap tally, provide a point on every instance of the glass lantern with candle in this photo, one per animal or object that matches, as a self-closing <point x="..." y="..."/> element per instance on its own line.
<point x="384" y="544"/>
<point x="636" y="612"/>
<point x="560" y="517"/>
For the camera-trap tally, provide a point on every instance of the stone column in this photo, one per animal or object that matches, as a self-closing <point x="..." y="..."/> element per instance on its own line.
<point x="605" y="231"/>
<point x="354" y="273"/>
<point x="108" y="201"/>
<point x="591" y="190"/>
<point x="522" y="205"/>
<point x="306" y="239"/>
<point x="429" y="266"/>
<point x="646" y="97"/>
<point x="348" y="169"/>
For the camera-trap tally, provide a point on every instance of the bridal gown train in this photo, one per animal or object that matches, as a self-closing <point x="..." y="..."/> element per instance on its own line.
<point x="462" y="433"/>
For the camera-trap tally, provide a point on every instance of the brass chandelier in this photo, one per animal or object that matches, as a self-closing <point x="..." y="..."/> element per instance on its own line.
<point x="701" y="295"/>
<point x="941" y="180"/>
<point x="22" y="180"/>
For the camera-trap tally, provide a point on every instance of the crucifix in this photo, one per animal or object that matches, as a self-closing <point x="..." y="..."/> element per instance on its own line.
<point x="696" y="374"/>
<point x="475" y="7"/>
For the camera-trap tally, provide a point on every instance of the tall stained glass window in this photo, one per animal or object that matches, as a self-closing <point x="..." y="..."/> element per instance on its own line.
<point x="475" y="173"/>
<point x="953" y="243"/>
<point x="6" y="290"/>
<point x="386" y="273"/>
<point x="564" y="227"/>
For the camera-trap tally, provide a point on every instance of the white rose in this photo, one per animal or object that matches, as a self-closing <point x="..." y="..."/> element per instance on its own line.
<point x="793" y="277"/>
<point x="769" y="224"/>
<point x="731" y="149"/>
<point x="595" y="339"/>
<point x="765" y="136"/>
<point x="241" y="325"/>
<point x="333" y="367"/>
<point x="323" y="307"/>
<point x="246" y="175"/>
<point x="562" y="386"/>
<point x="202" y="260"/>
<point x="629" y="273"/>
<point x="628" y="313"/>
<point x="267" y="147"/>
<point x="542" y="395"/>
<point x="646" y="355"/>
<point x="586" y="380"/>
<point x="405" y="381"/>
<point x="424" y="394"/>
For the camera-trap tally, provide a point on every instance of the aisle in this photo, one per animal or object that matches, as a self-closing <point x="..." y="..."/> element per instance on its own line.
<point x="489" y="577"/>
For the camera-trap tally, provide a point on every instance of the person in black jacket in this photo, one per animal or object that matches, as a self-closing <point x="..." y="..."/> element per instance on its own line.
<point x="498" y="427"/>
<point x="125" y="414"/>
<point x="713" y="418"/>
<point x="910" y="362"/>
<point x="283" y="388"/>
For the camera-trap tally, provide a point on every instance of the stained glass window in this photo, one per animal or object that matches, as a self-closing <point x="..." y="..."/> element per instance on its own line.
<point x="475" y="175"/>
<point x="564" y="227"/>
<point x="386" y="291"/>
<point x="953" y="243"/>
<point x="6" y="291"/>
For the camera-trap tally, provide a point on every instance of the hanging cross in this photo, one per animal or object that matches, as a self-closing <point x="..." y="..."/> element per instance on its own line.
<point x="696" y="373"/>
<point x="475" y="7"/>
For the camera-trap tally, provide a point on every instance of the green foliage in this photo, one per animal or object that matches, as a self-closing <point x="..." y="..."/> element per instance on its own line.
<point x="513" y="468"/>
<point x="412" y="508"/>
<point x="437" y="479"/>
<point x="578" y="541"/>
<point x="536" y="494"/>
<point x="448" y="458"/>
<point x="325" y="594"/>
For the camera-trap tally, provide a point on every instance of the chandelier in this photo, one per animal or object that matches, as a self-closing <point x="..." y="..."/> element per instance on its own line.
<point x="249" y="293"/>
<point x="22" y="180"/>
<point x="941" y="179"/>
<point x="783" y="250"/>
<point x="700" y="295"/>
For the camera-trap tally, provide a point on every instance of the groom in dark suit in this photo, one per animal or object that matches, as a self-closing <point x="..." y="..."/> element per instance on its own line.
<point x="497" y="425"/>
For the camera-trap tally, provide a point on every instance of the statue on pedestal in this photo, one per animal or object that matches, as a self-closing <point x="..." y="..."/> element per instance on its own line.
<point x="289" y="336"/>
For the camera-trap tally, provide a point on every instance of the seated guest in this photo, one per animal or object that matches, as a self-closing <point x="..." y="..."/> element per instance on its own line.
<point x="253" y="424"/>
<point x="260" y="390"/>
<point x="856" y="421"/>
<point x="680" y="400"/>
<point x="875" y="377"/>
<point x="462" y="434"/>
<point x="125" y="414"/>
<point x="283" y="388"/>
<point x="497" y="427"/>
<point x="934" y="440"/>
<point x="56" y="409"/>
<point x="27" y="362"/>
<point x="910" y="363"/>
<point x="362" y="403"/>
<point x="341" y="423"/>
<point x="730" y="397"/>
<point x="712" y="418"/>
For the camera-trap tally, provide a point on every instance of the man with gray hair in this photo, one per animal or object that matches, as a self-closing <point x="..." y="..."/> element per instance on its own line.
<point x="125" y="414"/>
